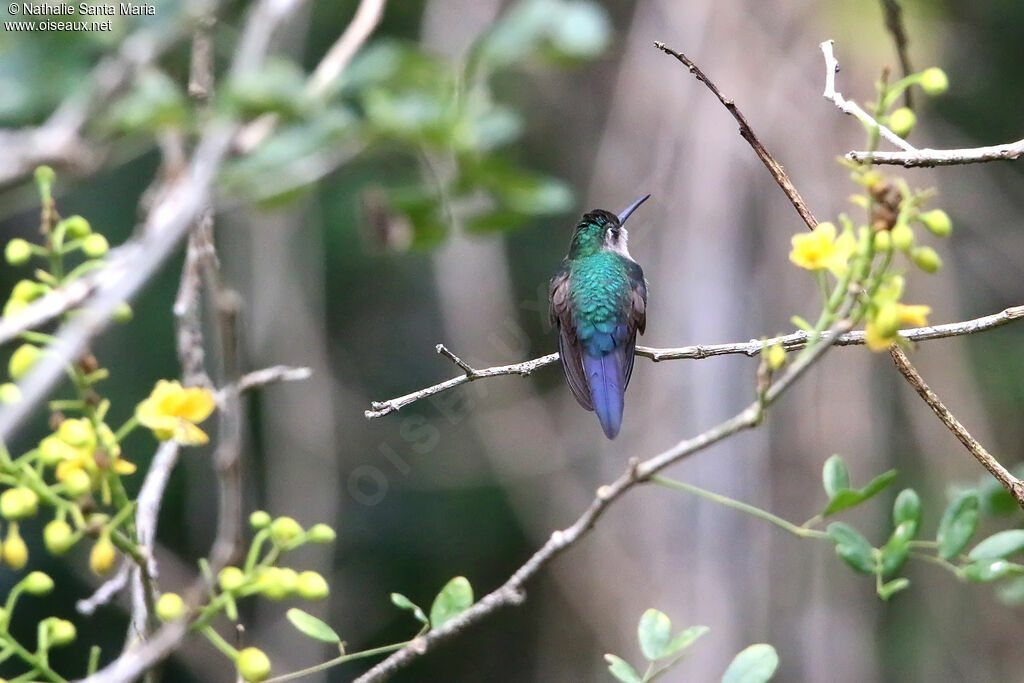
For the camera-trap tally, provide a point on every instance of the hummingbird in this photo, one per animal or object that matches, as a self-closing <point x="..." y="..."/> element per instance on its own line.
<point x="598" y="305"/>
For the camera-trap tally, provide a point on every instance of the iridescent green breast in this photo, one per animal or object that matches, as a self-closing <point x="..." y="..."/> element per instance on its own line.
<point x="600" y="292"/>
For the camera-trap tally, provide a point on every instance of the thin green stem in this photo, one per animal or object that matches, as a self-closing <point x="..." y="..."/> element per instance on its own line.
<point x="126" y="429"/>
<point x="739" y="505"/>
<point x="219" y="642"/>
<point x="385" y="649"/>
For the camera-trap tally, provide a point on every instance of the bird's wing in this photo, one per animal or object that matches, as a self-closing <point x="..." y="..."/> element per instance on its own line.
<point x="568" y="344"/>
<point x="636" y="317"/>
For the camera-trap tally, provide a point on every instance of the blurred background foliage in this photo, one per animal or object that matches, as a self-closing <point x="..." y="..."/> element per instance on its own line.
<point x="429" y="196"/>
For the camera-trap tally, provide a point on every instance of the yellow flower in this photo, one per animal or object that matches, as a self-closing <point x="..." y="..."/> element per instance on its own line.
<point x="173" y="411"/>
<point x="878" y="338"/>
<point x="821" y="249"/>
<point x="73" y="448"/>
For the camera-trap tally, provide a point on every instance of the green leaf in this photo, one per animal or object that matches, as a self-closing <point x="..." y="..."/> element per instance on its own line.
<point x="756" y="664"/>
<point x="154" y="103"/>
<point x="984" y="571"/>
<point x="684" y="639"/>
<point x="654" y="632"/>
<point x="851" y="547"/>
<point x="277" y="87"/>
<point x="835" y="476"/>
<point x="582" y="31"/>
<point x="1012" y="592"/>
<point x="516" y="188"/>
<point x="887" y="590"/>
<point x="311" y="626"/>
<point x="895" y="551"/>
<point x="454" y="599"/>
<point x="622" y="670"/>
<point x="998" y="545"/>
<point x="958" y="523"/>
<point x="403" y="602"/>
<point x="906" y="508"/>
<point x="847" y="498"/>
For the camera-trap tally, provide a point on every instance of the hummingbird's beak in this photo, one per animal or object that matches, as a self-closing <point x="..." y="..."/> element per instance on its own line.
<point x="631" y="208"/>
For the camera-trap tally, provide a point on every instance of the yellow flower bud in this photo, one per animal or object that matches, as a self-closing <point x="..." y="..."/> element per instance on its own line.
<point x="15" y="551"/>
<point x="321" y="533"/>
<point x="926" y="259"/>
<point x="934" y="81"/>
<point x="284" y="530"/>
<point x="75" y="227"/>
<point x="18" y="252"/>
<point x="28" y="290"/>
<point x="61" y="631"/>
<point x="22" y="360"/>
<point x="259" y="519"/>
<point x="275" y="584"/>
<point x="77" y="432"/>
<point x="312" y="586"/>
<point x="37" y="583"/>
<point x="253" y="665"/>
<point x="101" y="559"/>
<point x="937" y="221"/>
<point x="902" y="121"/>
<point x="78" y="482"/>
<point x="123" y="313"/>
<point x="883" y="241"/>
<point x="776" y="356"/>
<point x="18" y="503"/>
<point x="169" y="607"/>
<point x="902" y="237"/>
<point x="9" y="393"/>
<point x="95" y="245"/>
<point x="230" y="578"/>
<point x="14" y="307"/>
<point x="58" y="537"/>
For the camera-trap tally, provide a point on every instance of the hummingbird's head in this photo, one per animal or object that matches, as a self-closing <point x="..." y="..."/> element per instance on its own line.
<point x="601" y="230"/>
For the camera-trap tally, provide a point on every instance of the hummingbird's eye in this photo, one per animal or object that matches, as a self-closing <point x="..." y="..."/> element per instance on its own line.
<point x="615" y="233"/>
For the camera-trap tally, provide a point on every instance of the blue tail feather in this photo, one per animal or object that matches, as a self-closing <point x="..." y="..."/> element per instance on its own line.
<point x="606" y="378"/>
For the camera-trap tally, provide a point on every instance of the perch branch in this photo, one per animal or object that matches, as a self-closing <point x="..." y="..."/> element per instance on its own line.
<point x="789" y="342"/>
<point x="849" y="106"/>
<point x="944" y="157"/>
<point x="1013" y="485"/>
<point x="748" y="134"/>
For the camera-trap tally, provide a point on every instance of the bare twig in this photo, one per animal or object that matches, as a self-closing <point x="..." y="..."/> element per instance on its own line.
<point x="327" y="72"/>
<point x="1013" y="485"/>
<point x="789" y="342"/>
<point x="894" y="24"/>
<point x="944" y="157"/>
<point x="107" y="591"/>
<point x="748" y="134"/>
<point x="53" y="305"/>
<point x="851" y="107"/>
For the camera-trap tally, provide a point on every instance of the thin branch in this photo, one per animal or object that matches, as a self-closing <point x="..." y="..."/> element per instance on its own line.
<point x="512" y="591"/>
<point x="1013" y="485"/>
<point x="107" y="591"/>
<point x="851" y="107"/>
<point x="944" y="157"/>
<point x="748" y="134"/>
<point x="894" y="24"/>
<point x="789" y="342"/>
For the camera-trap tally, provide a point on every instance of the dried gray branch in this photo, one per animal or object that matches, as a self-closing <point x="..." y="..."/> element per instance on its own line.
<point x="849" y="106"/>
<point x="944" y="157"/>
<point x="789" y="342"/>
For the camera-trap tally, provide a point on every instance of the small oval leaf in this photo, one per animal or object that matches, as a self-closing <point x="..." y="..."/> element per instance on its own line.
<point x="853" y="548"/>
<point x="454" y="598"/>
<point x="847" y="498"/>
<point x="984" y="571"/>
<point x="312" y="627"/>
<point x="906" y="508"/>
<point x="835" y="476"/>
<point x="622" y="670"/>
<point x="887" y="590"/>
<point x="998" y="545"/>
<point x="756" y="664"/>
<point x="654" y="632"/>
<point x="685" y="639"/>
<point x="958" y="523"/>
<point x="405" y="603"/>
